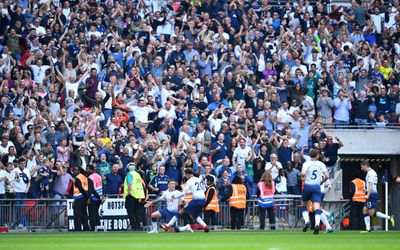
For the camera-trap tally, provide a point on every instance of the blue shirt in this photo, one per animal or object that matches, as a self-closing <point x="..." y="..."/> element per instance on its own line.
<point x="113" y="183"/>
<point x="160" y="182"/>
<point x="219" y="154"/>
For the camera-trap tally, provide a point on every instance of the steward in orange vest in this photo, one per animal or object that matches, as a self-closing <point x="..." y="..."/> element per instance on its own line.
<point x="83" y="189"/>
<point x="237" y="203"/>
<point x="357" y="192"/>
<point x="212" y="204"/>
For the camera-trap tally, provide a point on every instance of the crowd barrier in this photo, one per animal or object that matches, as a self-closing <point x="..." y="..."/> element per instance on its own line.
<point x="58" y="214"/>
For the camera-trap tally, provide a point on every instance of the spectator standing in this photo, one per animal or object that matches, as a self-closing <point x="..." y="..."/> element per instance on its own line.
<point x="293" y="179"/>
<point x="342" y="109"/>
<point x="159" y="183"/>
<point x="325" y="104"/>
<point x="265" y="201"/>
<point x="114" y="182"/>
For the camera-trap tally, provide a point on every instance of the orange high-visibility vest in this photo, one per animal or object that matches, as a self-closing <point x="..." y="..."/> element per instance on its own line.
<point x="238" y="198"/>
<point x="359" y="194"/>
<point x="188" y="196"/>
<point x="85" y="185"/>
<point x="213" y="205"/>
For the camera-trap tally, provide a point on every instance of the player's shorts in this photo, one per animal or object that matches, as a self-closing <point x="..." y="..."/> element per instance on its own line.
<point x="195" y="207"/>
<point x="312" y="192"/>
<point x="322" y="197"/>
<point x="165" y="213"/>
<point x="372" y="201"/>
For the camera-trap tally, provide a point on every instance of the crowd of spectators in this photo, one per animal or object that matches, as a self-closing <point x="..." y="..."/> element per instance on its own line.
<point x="227" y="88"/>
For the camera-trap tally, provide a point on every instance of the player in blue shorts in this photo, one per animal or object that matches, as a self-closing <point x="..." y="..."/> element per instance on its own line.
<point x="194" y="185"/>
<point x="371" y="181"/>
<point x="315" y="174"/>
<point x="172" y="207"/>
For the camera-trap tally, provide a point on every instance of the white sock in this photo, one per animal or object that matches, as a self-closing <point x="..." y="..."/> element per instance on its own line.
<point x="184" y="229"/>
<point x="172" y="221"/>
<point x="154" y="225"/>
<point x="382" y="215"/>
<point x="306" y="216"/>
<point x="317" y="220"/>
<point x="327" y="213"/>
<point x="201" y="222"/>
<point x="325" y="221"/>
<point x="367" y="221"/>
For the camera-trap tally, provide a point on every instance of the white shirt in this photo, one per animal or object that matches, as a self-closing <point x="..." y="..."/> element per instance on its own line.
<point x="377" y="20"/>
<point x="314" y="172"/>
<point x="172" y="204"/>
<point x="283" y="116"/>
<point x="273" y="169"/>
<point x="371" y="177"/>
<point x="195" y="186"/>
<point x="281" y="187"/>
<point x="39" y="73"/>
<point x="240" y="154"/>
<point x="170" y="113"/>
<point x="19" y="185"/>
<point x="307" y="103"/>
<point x="184" y="137"/>
<point x="141" y="113"/>
<point x="30" y="165"/>
<point x="2" y="183"/>
<point x="4" y="150"/>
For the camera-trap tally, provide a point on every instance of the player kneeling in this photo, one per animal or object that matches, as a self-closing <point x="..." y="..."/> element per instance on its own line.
<point x="195" y="207"/>
<point x="171" y="210"/>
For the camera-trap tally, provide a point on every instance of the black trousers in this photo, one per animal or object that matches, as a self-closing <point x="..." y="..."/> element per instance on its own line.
<point x="94" y="217"/>
<point x="141" y="214"/>
<point x="271" y="217"/>
<point x="132" y="208"/>
<point x="80" y="215"/>
<point x="209" y="217"/>
<point x="356" y="216"/>
<point x="237" y="218"/>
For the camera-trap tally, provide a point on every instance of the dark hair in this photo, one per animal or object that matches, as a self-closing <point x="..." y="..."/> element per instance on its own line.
<point x="314" y="153"/>
<point x="189" y="171"/>
<point x="365" y="163"/>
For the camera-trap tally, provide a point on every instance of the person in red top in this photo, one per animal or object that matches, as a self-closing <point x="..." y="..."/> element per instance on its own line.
<point x="265" y="194"/>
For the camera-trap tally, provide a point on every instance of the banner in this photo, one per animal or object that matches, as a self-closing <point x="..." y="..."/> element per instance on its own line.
<point x="112" y="213"/>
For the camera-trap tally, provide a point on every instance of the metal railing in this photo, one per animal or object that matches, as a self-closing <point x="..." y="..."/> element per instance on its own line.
<point x="34" y="214"/>
<point x="364" y="126"/>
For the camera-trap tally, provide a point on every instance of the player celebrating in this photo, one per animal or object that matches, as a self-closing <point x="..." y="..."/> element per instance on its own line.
<point x="371" y="204"/>
<point x="170" y="211"/>
<point x="315" y="174"/>
<point x="195" y="207"/>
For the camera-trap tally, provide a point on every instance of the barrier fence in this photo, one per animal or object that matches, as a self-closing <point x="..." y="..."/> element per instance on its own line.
<point x="58" y="214"/>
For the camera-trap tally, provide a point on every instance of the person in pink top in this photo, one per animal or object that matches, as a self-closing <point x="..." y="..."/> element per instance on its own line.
<point x="265" y="194"/>
<point x="94" y="217"/>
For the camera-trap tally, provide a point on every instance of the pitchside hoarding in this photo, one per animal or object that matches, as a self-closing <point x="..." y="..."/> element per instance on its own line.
<point x="112" y="212"/>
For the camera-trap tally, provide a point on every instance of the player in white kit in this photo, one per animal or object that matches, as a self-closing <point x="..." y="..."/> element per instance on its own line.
<point x="315" y="174"/>
<point x="371" y="181"/>
<point x="170" y="211"/>
<point x="194" y="185"/>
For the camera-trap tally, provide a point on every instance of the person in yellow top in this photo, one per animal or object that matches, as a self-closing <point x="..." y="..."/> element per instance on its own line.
<point x="385" y="69"/>
<point x="237" y="203"/>
<point x="134" y="192"/>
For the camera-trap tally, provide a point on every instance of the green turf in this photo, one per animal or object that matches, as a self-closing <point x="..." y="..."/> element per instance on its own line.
<point x="199" y="240"/>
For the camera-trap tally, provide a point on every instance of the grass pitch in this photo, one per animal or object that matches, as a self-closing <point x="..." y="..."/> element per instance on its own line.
<point x="199" y="240"/>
